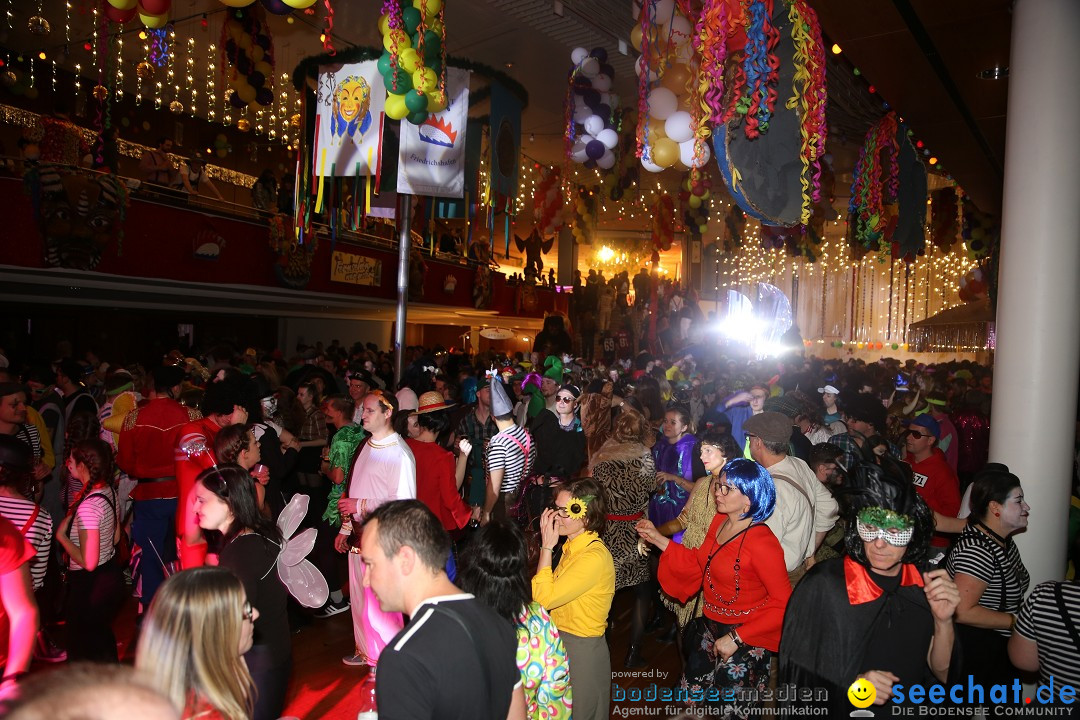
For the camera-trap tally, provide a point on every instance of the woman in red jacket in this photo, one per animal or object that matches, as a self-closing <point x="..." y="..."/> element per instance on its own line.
<point x="740" y="568"/>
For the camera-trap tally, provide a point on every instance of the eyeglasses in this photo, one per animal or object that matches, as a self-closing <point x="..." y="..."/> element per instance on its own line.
<point x="725" y="488"/>
<point x="916" y="434"/>
<point x="896" y="538"/>
<point x="249" y="611"/>
<point x="564" y="399"/>
<point x="559" y="510"/>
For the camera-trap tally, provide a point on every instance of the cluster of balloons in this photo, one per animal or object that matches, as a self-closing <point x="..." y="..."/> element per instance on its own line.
<point x="665" y="33"/>
<point x="221" y="145"/>
<point x="277" y="7"/>
<point x="627" y="169"/>
<point x="979" y="231"/>
<point x="153" y="14"/>
<point x="594" y="109"/>
<point x="695" y="194"/>
<point x="548" y="202"/>
<point x="973" y="285"/>
<point x="663" y="223"/>
<point x="412" y="62"/>
<point x="584" y="217"/>
<point x="249" y="48"/>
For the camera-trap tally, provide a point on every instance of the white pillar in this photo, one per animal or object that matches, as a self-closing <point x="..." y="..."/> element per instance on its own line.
<point x="1038" y="328"/>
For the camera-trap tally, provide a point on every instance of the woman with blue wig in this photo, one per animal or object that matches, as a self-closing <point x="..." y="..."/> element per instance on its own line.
<point x="739" y="569"/>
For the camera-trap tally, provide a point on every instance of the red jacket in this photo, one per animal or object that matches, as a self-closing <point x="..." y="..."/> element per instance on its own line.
<point x="436" y="485"/>
<point x="148" y="439"/>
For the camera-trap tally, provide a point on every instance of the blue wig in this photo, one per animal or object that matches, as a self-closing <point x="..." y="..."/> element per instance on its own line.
<point x="755" y="483"/>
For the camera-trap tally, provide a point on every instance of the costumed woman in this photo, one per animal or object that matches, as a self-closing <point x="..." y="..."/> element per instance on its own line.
<point x="740" y="569"/>
<point x="578" y="593"/>
<point x="624" y="467"/>
<point x="986" y="566"/>
<point x="872" y="614"/>
<point x="674" y="458"/>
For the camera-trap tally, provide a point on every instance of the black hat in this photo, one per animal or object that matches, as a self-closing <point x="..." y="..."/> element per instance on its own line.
<point x="15" y="454"/>
<point x="167" y="376"/>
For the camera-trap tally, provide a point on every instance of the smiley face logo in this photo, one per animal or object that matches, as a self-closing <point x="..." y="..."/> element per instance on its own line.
<point x="861" y="694"/>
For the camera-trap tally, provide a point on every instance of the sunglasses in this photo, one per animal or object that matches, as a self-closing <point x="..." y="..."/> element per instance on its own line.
<point x="896" y="538"/>
<point x="249" y="611"/>
<point x="566" y="399"/>
<point x="916" y="433"/>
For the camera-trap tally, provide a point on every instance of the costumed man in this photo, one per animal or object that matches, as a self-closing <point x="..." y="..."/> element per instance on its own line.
<point x="221" y="406"/>
<point x="382" y="469"/>
<point x="510" y="456"/>
<point x="872" y="614"/>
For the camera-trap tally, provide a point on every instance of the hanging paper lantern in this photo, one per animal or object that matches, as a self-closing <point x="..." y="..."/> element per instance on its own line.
<point x="144" y="70"/>
<point x="38" y="25"/>
<point x="243" y="124"/>
<point x="176" y="107"/>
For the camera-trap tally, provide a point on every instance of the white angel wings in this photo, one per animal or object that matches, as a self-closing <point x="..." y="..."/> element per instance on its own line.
<point x="302" y="579"/>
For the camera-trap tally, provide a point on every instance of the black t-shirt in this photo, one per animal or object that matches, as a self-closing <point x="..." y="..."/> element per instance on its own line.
<point x="453" y="654"/>
<point x="252" y="558"/>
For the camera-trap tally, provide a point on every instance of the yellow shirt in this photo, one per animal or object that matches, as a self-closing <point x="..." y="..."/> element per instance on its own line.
<point x="48" y="457"/>
<point x="578" y="594"/>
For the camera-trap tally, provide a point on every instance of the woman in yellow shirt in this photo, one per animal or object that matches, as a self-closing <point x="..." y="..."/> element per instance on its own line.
<point x="578" y="594"/>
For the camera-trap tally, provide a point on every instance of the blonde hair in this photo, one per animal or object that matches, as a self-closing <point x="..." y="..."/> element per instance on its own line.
<point x="190" y="642"/>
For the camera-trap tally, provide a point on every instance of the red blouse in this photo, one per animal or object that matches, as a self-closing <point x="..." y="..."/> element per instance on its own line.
<point x="757" y="606"/>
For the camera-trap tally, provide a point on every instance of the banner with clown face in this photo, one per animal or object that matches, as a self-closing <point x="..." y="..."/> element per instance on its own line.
<point x="349" y="120"/>
<point x="431" y="156"/>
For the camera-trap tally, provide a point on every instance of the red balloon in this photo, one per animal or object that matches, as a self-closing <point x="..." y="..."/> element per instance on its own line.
<point x="119" y="16"/>
<point x="155" y="7"/>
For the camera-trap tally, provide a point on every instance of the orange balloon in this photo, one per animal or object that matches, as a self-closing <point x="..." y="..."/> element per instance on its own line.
<point x="675" y="78"/>
<point x="656" y="130"/>
<point x="635" y="37"/>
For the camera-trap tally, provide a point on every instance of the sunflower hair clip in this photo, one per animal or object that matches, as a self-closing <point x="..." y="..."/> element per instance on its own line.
<point x="577" y="507"/>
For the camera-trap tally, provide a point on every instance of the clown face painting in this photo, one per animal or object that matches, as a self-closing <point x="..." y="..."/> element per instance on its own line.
<point x="351" y="114"/>
<point x="78" y="213"/>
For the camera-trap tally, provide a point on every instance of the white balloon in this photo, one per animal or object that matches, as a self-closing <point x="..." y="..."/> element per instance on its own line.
<point x="681" y="28"/>
<point x="663" y="10"/>
<point x="650" y="165"/>
<point x="582" y="114"/>
<point x="602" y="82"/>
<point x="578" y="153"/>
<point x="686" y="154"/>
<point x="677" y="126"/>
<point x="639" y="67"/>
<point x="607" y="160"/>
<point x="662" y="103"/>
<point x="579" y="102"/>
<point x="594" y="124"/>
<point x="605" y="98"/>
<point x="578" y="55"/>
<point x="590" y="67"/>
<point x="609" y="137"/>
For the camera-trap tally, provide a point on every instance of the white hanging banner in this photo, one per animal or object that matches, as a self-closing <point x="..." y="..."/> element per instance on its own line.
<point x="431" y="157"/>
<point x="349" y="120"/>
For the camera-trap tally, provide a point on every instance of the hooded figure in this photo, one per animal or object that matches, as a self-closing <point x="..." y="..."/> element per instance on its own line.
<point x="553" y="339"/>
<point x="872" y="610"/>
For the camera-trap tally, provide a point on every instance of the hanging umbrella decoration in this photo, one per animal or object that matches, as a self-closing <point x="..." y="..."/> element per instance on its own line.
<point x="592" y="110"/>
<point x="413" y="65"/>
<point x="248" y="49"/>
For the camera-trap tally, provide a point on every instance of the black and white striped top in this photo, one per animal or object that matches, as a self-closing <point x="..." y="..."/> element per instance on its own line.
<point x="39" y="534"/>
<point x="1046" y="622"/>
<point x="1001" y="568"/>
<point x="30" y="435"/>
<point x="507" y="450"/>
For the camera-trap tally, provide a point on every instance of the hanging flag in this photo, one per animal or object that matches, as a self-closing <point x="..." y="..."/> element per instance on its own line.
<point x="505" y="146"/>
<point x="431" y="156"/>
<point x="349" y="107"/>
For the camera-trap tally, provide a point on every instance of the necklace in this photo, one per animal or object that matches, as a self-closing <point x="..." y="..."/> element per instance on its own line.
<point x="380" y="446"/>
<point x="708" y="576"/>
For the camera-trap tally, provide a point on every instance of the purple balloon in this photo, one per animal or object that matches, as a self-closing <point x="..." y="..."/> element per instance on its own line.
<point x="595" y="149"/>
<point x="599" y="53"/>
<point x="264" y="96"/>
<point x="591" y="97"/>
<point x="256" y="79"/>
<point x="604" y="111"/>
<point x="236" y="102"/>
<point x="607" y="69"/>
<point x="276" y="7"/>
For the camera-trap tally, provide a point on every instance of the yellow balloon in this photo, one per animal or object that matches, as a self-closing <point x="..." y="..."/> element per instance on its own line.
<point x="247" y="94"/>
<point x="384" y="24"/>
<point x="635" y="37"/>
<point x="299" y="4"/>
<point x="396" y="41"/>
<point x="433" y="6"/>
<point x="409" y="60"/>
<point x="257" y="53"/>
<point x="154" y="21"/>
<point x="435" y="26"/>
<point x="656" y="130"/>
<point x="123" y="4"/>
<point x="395" y="107"/>
<point x="244" y="41"/>
<point x="425" y="80"/>
<point x="264" y="68"/>
<point x="665" y="152"/>
<point x="436" y="101"/>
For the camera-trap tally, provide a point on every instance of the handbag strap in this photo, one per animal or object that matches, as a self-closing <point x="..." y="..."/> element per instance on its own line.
<point x="1063" y="610"/>
<point x="30" y="521"/>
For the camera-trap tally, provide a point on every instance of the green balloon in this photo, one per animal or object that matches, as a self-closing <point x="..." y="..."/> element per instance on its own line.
<point x="410" y="16"/>
<point x="895" y="346"/>
<point x="417" y="118"/>
<point x="417" y="102"/>
<point x="384" y="64"/>
<point x="432" y="44"/>
<point x="401" y="86"/>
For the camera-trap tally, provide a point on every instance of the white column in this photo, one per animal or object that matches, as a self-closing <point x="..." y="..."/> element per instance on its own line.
<point x="1038" y="327"/>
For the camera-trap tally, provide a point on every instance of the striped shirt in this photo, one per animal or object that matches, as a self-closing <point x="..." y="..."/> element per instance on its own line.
<point x="39" y="534"/>
<point x="1041" y="619"/>
<point x="507" y="450"/>
<point x="1001" y="568"/>
<point x="96" y="512"/>
<point x="29" y="434"/>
